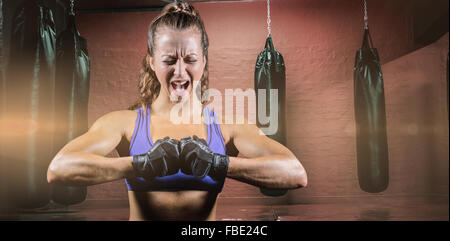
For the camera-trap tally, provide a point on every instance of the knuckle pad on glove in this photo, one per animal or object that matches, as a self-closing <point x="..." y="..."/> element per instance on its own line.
<point x="200" y="168"/>
<point x="187" y="148"/>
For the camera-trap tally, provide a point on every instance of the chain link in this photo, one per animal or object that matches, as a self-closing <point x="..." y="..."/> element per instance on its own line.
<point x="366" y="18"/>
<point x="268" y="17"/>
<point x="72" y="7"/>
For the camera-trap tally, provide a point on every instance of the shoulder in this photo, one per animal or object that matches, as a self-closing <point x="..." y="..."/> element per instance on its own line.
<point x="116" y="120"/>
<point x="235" y="125"/>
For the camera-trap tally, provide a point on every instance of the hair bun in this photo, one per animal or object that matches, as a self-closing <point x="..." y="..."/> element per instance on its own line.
<point x="182" y="7"/>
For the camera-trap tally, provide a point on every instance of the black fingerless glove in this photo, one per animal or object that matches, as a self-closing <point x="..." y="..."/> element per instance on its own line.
<point x="161" y="160"/>
<point x="198" y="160"/>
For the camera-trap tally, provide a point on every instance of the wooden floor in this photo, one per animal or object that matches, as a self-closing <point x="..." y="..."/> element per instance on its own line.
<point x="409" y="208"/>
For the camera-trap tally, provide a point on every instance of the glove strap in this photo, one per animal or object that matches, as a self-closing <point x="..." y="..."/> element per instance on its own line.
<point x="220" y="167"/>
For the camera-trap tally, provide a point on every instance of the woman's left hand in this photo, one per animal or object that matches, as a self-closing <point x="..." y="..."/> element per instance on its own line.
<point x="198" y="159"/>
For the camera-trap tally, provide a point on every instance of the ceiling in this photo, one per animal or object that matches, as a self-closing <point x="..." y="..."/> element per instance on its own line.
<point x="123" y="5"/>
<point x="430" y="20"/>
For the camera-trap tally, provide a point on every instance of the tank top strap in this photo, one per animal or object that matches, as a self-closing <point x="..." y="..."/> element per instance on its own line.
<point x="207" y="120"/>
<point x="215" y="138"/>
<point x="147" y="126"/>
<point x="137" y="127"/>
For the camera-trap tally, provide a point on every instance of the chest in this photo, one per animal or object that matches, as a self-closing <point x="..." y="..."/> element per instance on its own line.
<point x="161" y="127"/>
<point x="141" y="131"/>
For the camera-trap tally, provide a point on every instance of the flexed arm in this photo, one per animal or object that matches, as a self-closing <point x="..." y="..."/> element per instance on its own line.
<point x="82" y="161"/>
<point x="267" y="163"/>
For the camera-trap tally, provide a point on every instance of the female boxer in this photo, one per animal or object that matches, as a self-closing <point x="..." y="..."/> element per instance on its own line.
<point x="174" y="171"/>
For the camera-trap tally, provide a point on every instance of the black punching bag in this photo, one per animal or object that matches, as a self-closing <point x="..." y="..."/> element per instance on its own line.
<point x="270" y="75"/>
<point x="72" y="92"/>
<point x="370" y="117"/>
<point x="28" y="105"/>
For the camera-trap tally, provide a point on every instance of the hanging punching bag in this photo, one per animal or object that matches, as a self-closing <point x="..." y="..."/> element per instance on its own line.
<point x="270" y="75"/>
<point x="370" y="117"/>
<point x="72" y="92"/>
<point x="28" y="106"/>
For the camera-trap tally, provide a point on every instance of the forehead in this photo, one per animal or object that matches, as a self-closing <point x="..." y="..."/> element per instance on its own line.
<point x="169" y="40"/>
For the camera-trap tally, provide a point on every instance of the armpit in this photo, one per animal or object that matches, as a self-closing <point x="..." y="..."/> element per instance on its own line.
<point x="231" y="149"/>
<point x="124" y="147"/>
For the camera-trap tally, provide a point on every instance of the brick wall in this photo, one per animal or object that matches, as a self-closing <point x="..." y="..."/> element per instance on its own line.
<point x="318" y="40"/>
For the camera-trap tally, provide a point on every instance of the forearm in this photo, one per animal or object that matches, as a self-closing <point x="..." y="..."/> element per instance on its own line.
<point x="276" y="171"/>
<point x="83" y="169"/>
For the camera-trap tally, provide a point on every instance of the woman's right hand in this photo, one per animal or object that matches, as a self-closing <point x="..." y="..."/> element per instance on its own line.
<point x="161" y="160"/>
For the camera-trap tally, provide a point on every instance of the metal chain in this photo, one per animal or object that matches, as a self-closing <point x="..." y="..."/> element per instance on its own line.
<point x="72" y="7"/>
<point x="268" y="17"/>
<point x="366" y="18"/>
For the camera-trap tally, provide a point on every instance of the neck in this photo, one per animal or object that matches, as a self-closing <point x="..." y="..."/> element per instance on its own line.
<point x="162" y="106"/>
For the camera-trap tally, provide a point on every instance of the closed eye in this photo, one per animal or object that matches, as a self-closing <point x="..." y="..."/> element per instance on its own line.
<point x="170" y="62"/>
<point x="190" y="60"/>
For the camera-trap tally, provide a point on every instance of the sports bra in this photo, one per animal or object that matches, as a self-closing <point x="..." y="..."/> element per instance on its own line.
<point x="141" y="142"/>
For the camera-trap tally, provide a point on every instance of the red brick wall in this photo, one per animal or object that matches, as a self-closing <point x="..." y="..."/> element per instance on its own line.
<point x="318" y="40"/>
<point x="416" y="102"/>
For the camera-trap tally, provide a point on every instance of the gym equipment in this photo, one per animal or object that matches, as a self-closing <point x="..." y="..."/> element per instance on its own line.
<point x="270" y="74"/>
<point x="370" y="117"/>
<point x="28" y="102"/>
<point x="72" y="95"/>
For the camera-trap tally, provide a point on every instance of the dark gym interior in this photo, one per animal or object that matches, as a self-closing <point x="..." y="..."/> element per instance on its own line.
<point x="318" y="40"/>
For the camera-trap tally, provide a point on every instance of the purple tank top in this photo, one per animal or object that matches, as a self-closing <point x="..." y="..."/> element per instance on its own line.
<point x="141" y="142"/>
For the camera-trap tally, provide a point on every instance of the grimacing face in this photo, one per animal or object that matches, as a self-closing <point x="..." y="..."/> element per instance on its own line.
<point x="178" y="61"/>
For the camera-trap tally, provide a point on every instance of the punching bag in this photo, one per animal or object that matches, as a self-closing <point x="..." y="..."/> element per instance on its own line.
<point x="71" y="108"/>
<point x="270" y="75"/>
<point x="28" y="105"/>
<point x="370" y="117"/>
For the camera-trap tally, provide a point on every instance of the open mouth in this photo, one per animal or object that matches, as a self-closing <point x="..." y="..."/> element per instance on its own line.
<point x="180" y="87"/>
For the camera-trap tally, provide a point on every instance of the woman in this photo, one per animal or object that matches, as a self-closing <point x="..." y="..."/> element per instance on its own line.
<point x="180" y="174"/>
